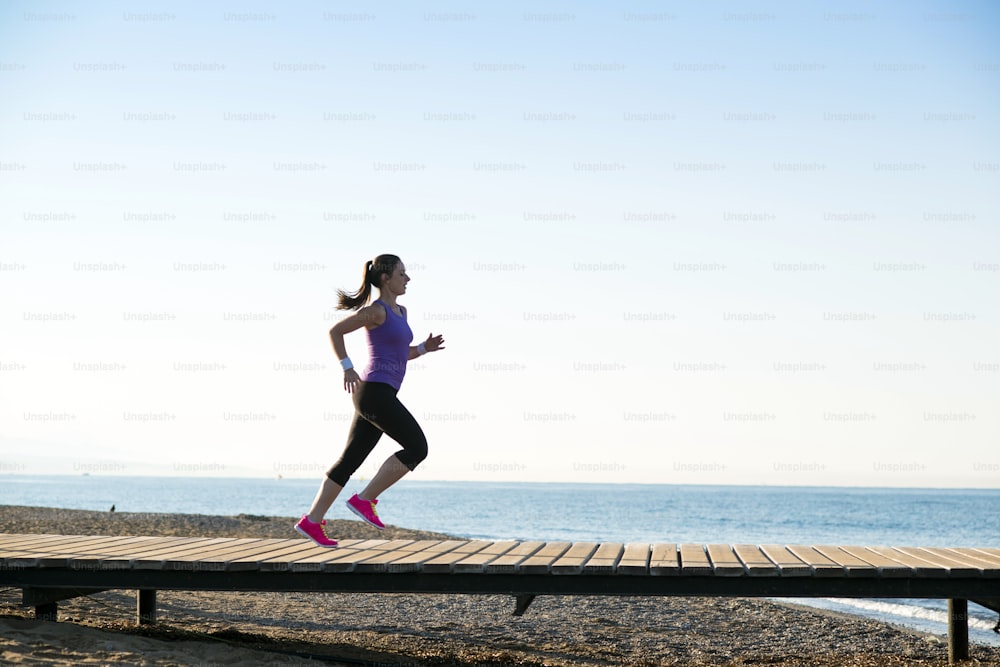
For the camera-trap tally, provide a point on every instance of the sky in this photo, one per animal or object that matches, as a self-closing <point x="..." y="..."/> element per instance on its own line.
<point x="679" y="243"/>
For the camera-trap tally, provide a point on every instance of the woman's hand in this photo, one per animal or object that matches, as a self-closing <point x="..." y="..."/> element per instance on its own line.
<point x="434" y="343"/>
<point x="351" y="380"/>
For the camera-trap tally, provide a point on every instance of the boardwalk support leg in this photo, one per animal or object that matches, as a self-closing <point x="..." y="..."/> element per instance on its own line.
<point x="989" y="603"/>
<point x="45" y="600"/>
<point x="958" y="631"/>
<point x="521" y="604"/>
<point x="146" y="607"/>
<point x="47" y="612"/>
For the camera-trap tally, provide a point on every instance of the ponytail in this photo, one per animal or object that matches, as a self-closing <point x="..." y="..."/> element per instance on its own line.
<point x="373" y="271"/>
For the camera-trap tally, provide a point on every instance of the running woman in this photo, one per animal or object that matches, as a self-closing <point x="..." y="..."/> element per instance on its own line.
<point x="377" y="410"/>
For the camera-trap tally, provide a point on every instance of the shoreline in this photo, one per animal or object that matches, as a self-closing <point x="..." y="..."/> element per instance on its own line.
<point x="415" y="629"/>
<point x="269" y="475"/>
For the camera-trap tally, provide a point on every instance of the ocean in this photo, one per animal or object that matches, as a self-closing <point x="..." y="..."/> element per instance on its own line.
<point x="594" y="512"/>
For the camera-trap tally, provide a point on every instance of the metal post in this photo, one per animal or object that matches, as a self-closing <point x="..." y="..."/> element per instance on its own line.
<point x="146" y="607"/>
<point x="47" y="612"/>
<point x="958" y="631"/>
<point x="521" y="603"/>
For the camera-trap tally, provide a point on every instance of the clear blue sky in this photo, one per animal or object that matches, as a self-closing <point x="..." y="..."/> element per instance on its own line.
<point x="738" y="243"/>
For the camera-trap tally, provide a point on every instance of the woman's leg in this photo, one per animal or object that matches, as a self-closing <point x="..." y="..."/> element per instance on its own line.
<point x="392" y="471"/>
<point x="361" y="440"/>
<point x="328" y="492"/>
<point x="397" y="422"/>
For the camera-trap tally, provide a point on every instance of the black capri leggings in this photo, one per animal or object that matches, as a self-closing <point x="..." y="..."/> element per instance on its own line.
<point x="378" y="411"/>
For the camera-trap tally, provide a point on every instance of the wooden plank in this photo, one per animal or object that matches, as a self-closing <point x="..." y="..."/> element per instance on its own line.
<point x="9" y="539"/>
<point x="309" y="549"/>
<point x="509" y="561"/>
<point x="421" y="552"/>
<point x="209" y="545"/>
<point x="605" y="559"/>
<point x="66" y="544"/>
<point x="477" y="562"/>
<point x="920" y="566"/>
<point x="244" y="559"/>
<point x="694" y="560"/>
<point x="886" y="566"/>
<point x="158" y="559"/>
<point x="541" y="560"/>
<point x="788" y="564"/>
<point x="29" y="542"/>
<point x="853" y="566"/>
<point x="443" y="562"/>
<point x="394" y="550"/>
<point x="991" y="564"/>
<point x="316" y="562"/>
<point x="207" y="559"/>
<point x="82" y="555"/>
<point x="43" y="538"/>
<point x="348" y="561"/>
<point x="956" y="568"/>
<point x="281" y="561"/>
<point x="60" y="554"/>
<point x="755" y="561"/>
<point x="118" y="554"/>
<point x="984" y="554"/>
<point x="19" y="559"/>
<point x="340" y="558"/>
<point x="96" y="542"/>
<point x="664" y="560"/>
<point x="634" y="560"/>
<point x="821" y="565"/>
<point x="281" y="552"/>
<point x="985" y="568"/>
<point x="724" y="561"/>
<point x="249" y="559"/>
<point x="28" y="559"/>
<point x="110" y="548"/>
<point x="357" y="545"/>
<point x="35" y="548"/>
<point x="473" y="546"/>
<point x="113" y="544"/>
<point x="97" y="557"/>
<point x="157" y="544"/>
<point x="572" y="561"/>
<point x="14" y="553"/>
<point x="161" y="545"/>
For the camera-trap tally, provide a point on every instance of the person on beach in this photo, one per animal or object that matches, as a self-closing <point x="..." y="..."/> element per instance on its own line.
<point x="377" y="409"/>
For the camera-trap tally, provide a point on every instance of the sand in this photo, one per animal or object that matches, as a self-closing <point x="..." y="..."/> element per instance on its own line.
<point x="30" y="642"/>
<point x="201" y="628"/>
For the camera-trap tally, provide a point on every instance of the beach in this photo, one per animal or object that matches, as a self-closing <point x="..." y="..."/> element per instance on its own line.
<point x="199" y="628"/>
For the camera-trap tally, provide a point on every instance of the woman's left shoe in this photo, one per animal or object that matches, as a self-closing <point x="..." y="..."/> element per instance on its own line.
<point x="315" y="532"/>
<point x="366" y="510"/>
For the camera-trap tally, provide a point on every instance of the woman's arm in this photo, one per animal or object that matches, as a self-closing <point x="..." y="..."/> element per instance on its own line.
<point x="432" y="344"/>
<point x="369" y="316"/>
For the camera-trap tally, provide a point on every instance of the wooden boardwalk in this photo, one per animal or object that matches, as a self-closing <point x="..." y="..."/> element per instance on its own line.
<point x="50" y="568"/>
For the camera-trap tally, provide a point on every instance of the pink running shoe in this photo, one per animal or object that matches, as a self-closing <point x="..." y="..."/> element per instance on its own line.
<point x="366" y="510"/>
<point x="315" y="532"/>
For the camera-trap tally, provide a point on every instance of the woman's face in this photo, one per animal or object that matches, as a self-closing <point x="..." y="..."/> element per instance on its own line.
<point x="396" y="283"/>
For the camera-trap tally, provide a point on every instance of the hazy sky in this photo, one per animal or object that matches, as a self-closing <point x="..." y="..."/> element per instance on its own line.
<point x="695" y="243"/>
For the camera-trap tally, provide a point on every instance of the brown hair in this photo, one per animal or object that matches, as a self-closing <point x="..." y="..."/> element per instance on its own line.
<point x="374" y="269"/>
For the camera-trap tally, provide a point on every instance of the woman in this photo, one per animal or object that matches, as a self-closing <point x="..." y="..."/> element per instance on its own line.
<point x="377" y="410"/>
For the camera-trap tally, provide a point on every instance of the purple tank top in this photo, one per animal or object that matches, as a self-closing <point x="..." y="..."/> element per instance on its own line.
<point x="388" y="349"/>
